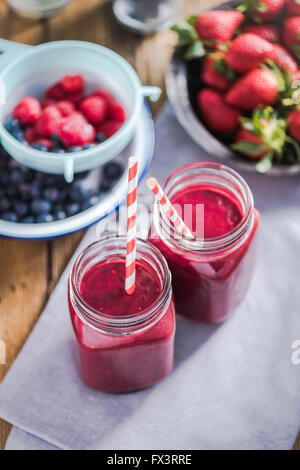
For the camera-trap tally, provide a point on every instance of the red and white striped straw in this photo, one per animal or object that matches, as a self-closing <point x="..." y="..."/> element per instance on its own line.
<point x="131" y="225"/>
<point x="168" y="208"/>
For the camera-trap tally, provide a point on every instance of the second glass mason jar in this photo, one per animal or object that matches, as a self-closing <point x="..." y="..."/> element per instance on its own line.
<point x="124" y="343"/>
<point x="210" y="275"/>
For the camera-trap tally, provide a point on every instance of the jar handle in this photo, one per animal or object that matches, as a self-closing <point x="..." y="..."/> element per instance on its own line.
<point x="152" y="92"/>
<point x="69" y="169"/>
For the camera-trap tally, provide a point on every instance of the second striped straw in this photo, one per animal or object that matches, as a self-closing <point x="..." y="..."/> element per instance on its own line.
<point x="169" y="209"/>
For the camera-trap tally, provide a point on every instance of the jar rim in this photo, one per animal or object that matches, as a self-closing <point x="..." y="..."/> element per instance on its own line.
<point x="202" y="245"/>
<point x="145" y="317"/>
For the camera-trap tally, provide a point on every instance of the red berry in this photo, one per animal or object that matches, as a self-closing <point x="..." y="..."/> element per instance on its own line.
<point x="115" y="111"/>
<point x="65" y="107"/>
<point x="264" y="11"/>
<point x="294" y="125"/>
<point x="269" y="32"/>
<point x="94" y="108"/>
<point x="104" y="94"/>
<point x="74" y="130"/>
<point x="48" y="122"/>
<point x="72" y="85"/>
<point x="258" y="87"/>
<point x="245" y="136"/>
<point x="212" y="75"/>
<point x="28" y="111"/>
<point x="291" y="35"/>
<point x="247" y="52"/>
<point x="293" y="8"/>
<point x="55" y="92"/>
<point x="31" y="135"/>
<point x="219" y="116"/>
<point x="218" y="26"/>
<point x="283" y="59"/>
<point x="109" y="128"/>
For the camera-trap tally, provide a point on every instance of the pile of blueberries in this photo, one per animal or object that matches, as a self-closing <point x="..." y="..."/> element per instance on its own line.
<point x="30" y="196"/>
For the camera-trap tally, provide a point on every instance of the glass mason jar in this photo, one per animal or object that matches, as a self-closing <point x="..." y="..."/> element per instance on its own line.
<point x="147" y="16"/>
<point x="122" y="353"/>
<point x="210" y="276"/>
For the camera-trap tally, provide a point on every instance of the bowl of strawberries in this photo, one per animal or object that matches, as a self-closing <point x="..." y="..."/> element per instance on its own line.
<point x="234" y="83"/>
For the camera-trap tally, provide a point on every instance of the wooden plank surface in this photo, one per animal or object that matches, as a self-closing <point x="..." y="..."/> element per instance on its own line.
<point x="30" y="270"/>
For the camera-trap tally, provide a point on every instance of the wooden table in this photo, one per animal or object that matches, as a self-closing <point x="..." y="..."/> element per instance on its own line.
<point x="30" y="270"/>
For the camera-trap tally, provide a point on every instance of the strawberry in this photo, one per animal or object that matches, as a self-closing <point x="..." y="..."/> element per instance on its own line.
<point x="291" y="35"/>
<point x="215" y="72"/>
<point x="48" y="122"/>
<point x="219" y="116"/>
<point x="210" y="29"/>
<point x="283" y="59"/>
<point x="259" y="87"/>
<point x="218" y="26"/>
<point x="250" y="145"/>
<point x="65" y="107"/>
<point x="294" y="125"/>
<point x="247" y="52"/>
<point x="94" y="109"/>
<point x="262" y="11"/>
<point x="262" y="137"/>
<point x="72" y="85"/>
<point x="109" y="128"/>
<point x="269" y="32"/>
<point x="74" y="130"/>
<point x="28" y="111"/>
<point x="293" y="7"/>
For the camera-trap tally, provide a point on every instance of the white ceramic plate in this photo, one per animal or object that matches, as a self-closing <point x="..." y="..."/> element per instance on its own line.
<point x="142" y="145"/>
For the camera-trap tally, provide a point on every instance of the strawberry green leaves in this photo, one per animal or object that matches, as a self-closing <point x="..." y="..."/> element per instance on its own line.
<point x="188" y="38"/>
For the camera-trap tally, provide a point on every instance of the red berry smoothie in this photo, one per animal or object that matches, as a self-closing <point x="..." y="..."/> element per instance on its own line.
<point x="210" y="279"/>
<point x="124" y="342"/>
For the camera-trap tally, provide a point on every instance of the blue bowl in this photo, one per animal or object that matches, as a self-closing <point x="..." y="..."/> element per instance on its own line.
<point x="28" y="70"/>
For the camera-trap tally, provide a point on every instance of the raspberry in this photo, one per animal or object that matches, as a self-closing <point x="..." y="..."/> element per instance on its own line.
<point x="116" y="111"/>
<point x="103" y="94"/>
<point x="109" y="128"/>
<point x="65" y="107"/>
<point x="47" y="102"/>
<point x="72" y="85"/>
<point x="55" y="92"/>
<point x="31" y="135"/>
<point x="94" y="108"/>
<point x="48" y="122"/>
<point x="28" y="111"/>
<point x="75" y="130"/>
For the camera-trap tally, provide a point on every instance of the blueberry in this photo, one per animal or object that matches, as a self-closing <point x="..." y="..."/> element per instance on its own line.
<point x="81" y="176"/>
<point x="39" y="146"/>
<point x="105" y="186"/>
<point x="9" y="216"/>
<point x="11" y="191"/>
<point x="58" y="150"/>
<point x="78" y="194"/>
<point x="72" y="209"/>
<point x="59" y="215"/>
<point x="16" y="176"/>
<point x="75" y="149"/>
<point x="55" y="140"/>
<point x="19" y="135"/>
<point x="112" y="171"/>
<point x="40" y="207"/>
<point x="35" y="190"/>
<point x="43" y="218"/>
<point x="100" y="137"/>
<point x="89" y="203"/>
<point x="29" y="219"/>
<point x="52" y="194"/>
<point x="87" y="146"/>
<point x="4" y="204"/>
<point x="25" y="191"/>
<point x="21" y="208"/>
<point x="11" y="124"/>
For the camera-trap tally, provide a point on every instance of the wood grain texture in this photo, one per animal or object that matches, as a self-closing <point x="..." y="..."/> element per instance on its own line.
<point x="30" y="270"/>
